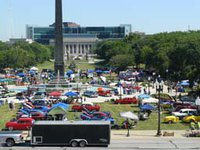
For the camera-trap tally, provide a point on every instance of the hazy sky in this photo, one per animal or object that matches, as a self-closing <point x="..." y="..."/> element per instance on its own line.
<point x="150" y="16"/>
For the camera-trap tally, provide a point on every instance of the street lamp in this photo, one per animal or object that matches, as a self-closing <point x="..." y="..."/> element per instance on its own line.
<point x="149" y="79"/>
<point x="159" y="87"/>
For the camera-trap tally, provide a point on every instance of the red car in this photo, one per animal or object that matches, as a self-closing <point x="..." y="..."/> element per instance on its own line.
<point x="20" y="124"/>
<point x="126" y="101"/>
<point x="89" y="107"/>
<point x="105" y="93"/>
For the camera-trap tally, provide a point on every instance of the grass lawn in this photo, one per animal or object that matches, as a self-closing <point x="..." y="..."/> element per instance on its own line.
<point x="6" y="115"/>
<point x="150" y="124"/>
<point x="115" y="109"/>
<point x="81" y="64"/>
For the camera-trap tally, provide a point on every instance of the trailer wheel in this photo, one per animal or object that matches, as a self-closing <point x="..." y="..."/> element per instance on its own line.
<point x="74" y="143"/>
<point x="10" y="142"/>
<point x="82" y="143"/>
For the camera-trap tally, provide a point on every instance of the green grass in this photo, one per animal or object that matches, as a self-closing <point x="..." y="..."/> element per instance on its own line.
<point x="115" y="109"/>
<point x="6" y="114"/>
<point x="81" y="64"/>
<point x="150" y="124"/>
<point x="45" y="65"/>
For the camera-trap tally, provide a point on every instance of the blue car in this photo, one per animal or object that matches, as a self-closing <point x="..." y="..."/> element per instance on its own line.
<point x="86" y="117"/>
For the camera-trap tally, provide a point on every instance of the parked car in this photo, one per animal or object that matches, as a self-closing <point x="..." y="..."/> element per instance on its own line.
<point x="89" y="106"/>
<point x="91" y="94"/>
<point x="184" y="112"/>
<point x="38" y="115"/>
<point x="20" y="124"/>
<point x="171" y="119"/>
<point x="192" y="118"/>
<point x="126" y="101"/>
<point x="178" y="107"/>
<point x="98" y="116"/>
<point x="105" y="93"/>
<point x="40" y="102"/>
<point x="9" y="94"/>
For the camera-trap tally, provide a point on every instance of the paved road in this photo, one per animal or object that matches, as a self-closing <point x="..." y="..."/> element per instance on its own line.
<point x="130" y="144"/>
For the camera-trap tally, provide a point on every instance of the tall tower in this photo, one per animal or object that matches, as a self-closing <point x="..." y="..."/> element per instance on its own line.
<point x="59" y="52"/>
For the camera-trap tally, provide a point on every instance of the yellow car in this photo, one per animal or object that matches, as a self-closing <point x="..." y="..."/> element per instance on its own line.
<point x="192" y="118"/>
<point x="171" y="119"/>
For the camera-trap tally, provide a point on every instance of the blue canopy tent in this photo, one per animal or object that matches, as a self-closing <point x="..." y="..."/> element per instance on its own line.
<point x="63" y="105"/>
<point x="59" y="109"/>
<point x="71" y="94"/>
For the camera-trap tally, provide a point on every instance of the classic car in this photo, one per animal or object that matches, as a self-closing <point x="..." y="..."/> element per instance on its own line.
<point x="89" y="106"/>
<point x="105" y="93"/>
<point x="132" y="100"/>
<point x="97" y="116"/>
<point x="171" y="119"/>
<point x="192" y="118"/>
<point x="91" y="94"/>
<point x="20" y="124"/>
<point x="184" y="112"/>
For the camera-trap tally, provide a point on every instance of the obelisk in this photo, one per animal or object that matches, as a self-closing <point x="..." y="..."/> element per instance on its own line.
<point x="59" y="52"/>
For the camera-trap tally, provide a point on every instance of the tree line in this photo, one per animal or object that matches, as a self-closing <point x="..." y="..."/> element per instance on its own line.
<point x="23" y="54"/>
<point x="174" y="54"/>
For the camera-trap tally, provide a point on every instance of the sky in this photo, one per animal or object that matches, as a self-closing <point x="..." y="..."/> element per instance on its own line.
<point x="149" y="16"/>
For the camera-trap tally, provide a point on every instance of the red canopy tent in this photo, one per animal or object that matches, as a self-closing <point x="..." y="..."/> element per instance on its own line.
<point x="55" y="93"/>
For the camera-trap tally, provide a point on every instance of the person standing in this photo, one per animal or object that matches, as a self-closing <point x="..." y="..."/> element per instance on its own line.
<point x="11" y="105"/>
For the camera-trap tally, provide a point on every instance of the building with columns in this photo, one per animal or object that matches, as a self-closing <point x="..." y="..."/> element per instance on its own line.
<point x="77" y="40"/>
<point x="79" y="46"/>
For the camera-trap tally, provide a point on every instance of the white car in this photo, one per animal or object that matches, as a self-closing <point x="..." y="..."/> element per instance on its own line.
<point x="184" y="112"/>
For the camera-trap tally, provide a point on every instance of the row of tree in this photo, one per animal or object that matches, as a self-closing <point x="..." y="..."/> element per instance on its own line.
<point x="174" y="54"/>
<point x="22" y="54"/>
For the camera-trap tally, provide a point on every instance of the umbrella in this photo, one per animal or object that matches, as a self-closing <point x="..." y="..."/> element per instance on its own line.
<point x="55" y="93"/>
<point x="32" y="72"/>
<point x="147" y="107"/>
<point x="142" y="96"/>
<point x="197" y="102"/>
<point x="34" y="69"/>
<point x="71" y="94"/>
<point x="129" y="115"/>
<point x="21" y="74"/>
<point x="90" y="71"/>
<point x="70" y="72"/>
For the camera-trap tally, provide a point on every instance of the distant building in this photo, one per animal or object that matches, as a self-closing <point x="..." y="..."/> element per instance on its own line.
<point x="14" y="40"/>
<point x="78" y="47"/>
<point x="77" y="40"/>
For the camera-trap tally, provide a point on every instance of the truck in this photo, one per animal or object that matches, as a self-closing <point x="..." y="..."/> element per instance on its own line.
<point x="71" y="133"/>
<point x="11" y="138"/>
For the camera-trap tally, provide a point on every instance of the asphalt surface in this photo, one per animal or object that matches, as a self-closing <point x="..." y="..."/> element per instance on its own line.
<point x="137" y="140"/>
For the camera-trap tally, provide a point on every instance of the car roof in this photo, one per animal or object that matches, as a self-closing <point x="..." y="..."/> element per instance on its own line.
<point x="188" y="109"/>
<point x="25" y="119"/>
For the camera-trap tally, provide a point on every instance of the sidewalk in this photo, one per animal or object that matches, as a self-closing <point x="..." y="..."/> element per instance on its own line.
<point x="146" y="134"/>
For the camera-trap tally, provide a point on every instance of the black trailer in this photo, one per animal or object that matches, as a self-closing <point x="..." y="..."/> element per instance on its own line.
<point x="74" y="133"/>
